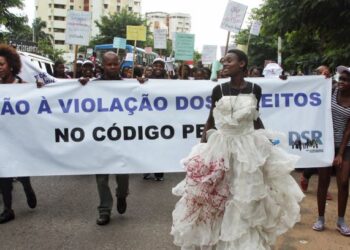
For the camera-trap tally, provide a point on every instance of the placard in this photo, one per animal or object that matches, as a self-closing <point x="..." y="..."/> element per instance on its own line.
<point x="78" y="27"/>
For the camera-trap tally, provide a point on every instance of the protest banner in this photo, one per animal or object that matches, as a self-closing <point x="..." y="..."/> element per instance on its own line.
<point x="233" y="19"/>
<point x="209" y="54"/>
<point x="78" y="31"/>
<point x="234" y="16"/>
<point x="255" y="28"/>
<point x="136" y="33"/>
<point x="160" y="36"/>
<point x="119" y="43"/>
<point x="113" y="127"/>
<point x="184" y="48"/>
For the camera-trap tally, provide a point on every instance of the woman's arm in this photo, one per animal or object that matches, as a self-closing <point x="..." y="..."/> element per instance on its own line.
<point x="338" y="160"/>
<point x="210" y="124"/>
<point x="258" y="124"/>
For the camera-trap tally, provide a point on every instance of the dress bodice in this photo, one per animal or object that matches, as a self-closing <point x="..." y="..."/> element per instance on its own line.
<point x="236" y="112"/>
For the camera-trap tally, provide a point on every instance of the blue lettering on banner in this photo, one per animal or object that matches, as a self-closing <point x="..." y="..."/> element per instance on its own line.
<point x="194" y="102"/>
<point x="290" y="99"/>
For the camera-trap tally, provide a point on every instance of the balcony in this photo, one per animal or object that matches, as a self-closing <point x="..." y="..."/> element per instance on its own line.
<point x="60" y="12"/>
<point x="59" y="24"/>
<point x="60" y="2"/>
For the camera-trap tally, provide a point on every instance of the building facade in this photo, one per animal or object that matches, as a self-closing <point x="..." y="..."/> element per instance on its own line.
<point x="174" y="22"/>
<point x="54" y="13"/>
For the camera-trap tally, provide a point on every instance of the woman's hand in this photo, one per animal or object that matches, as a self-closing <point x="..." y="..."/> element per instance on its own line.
<point x="142" y="80"/>
<point x="338" y="160"/>
<point x="83" y="80"/>
<point x="39" y="84"/>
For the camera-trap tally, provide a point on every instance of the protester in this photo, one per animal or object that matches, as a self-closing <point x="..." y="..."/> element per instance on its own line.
<point x="79" y="68"/>
<point x="199" y="74"/>
<point x="126" y="72"/>
<point x="111" y="67"/>
<point x="148" y="72"/>
<point x="238" y="193"/>
<point x="87" y="69"/>
<point x="98" y="71"/>
<point x="254" y="72"/>
<point x="186" y="73"/>
<point x="10" y="66"/>
<point x="341" y="124"/>
<point x="308" y="172"/>
<point x="59" y="70"/>
<point x="159" y="72"/>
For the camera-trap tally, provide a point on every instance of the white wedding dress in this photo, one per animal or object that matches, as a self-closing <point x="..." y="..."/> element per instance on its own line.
<point x="238" y="192"/>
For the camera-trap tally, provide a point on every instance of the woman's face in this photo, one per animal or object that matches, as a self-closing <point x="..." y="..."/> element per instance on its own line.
<point x="148" y="72"/>
<point x="231" y="65"/>
<point x="344" y="81"/>
<point x="5" y="70"/>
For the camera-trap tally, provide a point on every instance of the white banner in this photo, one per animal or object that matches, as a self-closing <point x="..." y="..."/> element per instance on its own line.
<point x="124" y="127"/>
<point x="234" y="16"/>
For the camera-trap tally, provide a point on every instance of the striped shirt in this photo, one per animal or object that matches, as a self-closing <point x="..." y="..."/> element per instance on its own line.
<point x="340" y="116"/>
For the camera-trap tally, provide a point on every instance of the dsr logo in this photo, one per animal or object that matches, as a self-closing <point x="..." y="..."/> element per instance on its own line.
<point x="305" y="139"/>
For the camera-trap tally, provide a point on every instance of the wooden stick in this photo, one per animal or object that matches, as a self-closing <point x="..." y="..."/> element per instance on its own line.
<point x="75" y="61"/>
<point x="133" y="58"/>
<point x="227" y="41"/>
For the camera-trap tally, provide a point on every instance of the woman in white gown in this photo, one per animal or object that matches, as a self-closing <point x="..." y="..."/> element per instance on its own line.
<point x="238" y="192"/>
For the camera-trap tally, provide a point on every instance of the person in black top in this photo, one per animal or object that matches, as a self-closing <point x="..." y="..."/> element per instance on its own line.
<point x="10" y="66"/>
<point x="111" y="68"/>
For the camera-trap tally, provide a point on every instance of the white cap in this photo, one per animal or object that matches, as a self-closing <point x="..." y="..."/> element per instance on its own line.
<point x="341" y="69"/>
<point x="87" y="62"/>
<point x="272" y="70"/>
<point x="158" y="59"/>
<point x="79" y="62"/>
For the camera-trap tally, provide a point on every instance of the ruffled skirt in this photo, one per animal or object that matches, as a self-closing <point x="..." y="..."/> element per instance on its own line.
<point x="238" y="193"/>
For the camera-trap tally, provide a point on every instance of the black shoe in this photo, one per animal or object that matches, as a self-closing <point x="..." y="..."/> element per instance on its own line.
<point x="31" y="197"/>
<point x="103" y="219"/>
<point x="7" y="216"/>
<point x="147" y="176"/>
<point x="121" y="204"/>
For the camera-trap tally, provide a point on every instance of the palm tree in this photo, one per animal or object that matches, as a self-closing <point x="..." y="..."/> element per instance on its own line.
<point x="38" y="33"/>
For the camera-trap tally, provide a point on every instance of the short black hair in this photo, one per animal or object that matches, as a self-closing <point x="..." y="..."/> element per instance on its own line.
<point x="241" y="56"/>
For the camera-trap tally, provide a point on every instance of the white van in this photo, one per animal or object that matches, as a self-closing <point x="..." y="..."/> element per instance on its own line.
<point x="44" y="63"/>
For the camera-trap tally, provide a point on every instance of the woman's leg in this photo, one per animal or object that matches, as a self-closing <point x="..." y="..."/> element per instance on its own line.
<point x="28" y="190"/>
<point x="343" y="187"/>
<point x="324" y="178"/>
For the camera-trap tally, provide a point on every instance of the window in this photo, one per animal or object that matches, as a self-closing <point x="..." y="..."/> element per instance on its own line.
<point x="50" y="5"/>
<point x="71" y="7"/>
<point x="49" y="29"/>
<point x="59" y="18"/>
<point x="59" y="42"/>
<point x="130" y="8"/>
<point x="72" y="1"/>
<point x="106" y="6"/>
<point x="118" y="8"/>
<point x="59" y="6"/>
<point x="58" y="30"/>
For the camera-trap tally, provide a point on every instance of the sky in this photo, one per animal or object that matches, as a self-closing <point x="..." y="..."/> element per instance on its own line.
<point x="206" y="16"/>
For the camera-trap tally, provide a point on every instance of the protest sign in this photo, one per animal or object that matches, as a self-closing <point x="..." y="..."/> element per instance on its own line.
<point x="160" y="36"/>
<point x="119" y="127"/>
<point x="234" y="16"/>
<point x="78" y="27"/>
<point x="119" y="43"/>
<point x="184" y="46"/>
<point x="136" y="33"/>
<point x="209" y="54"/>
<point x="255" y="28"/>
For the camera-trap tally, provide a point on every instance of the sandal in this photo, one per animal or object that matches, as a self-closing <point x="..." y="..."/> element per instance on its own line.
<point x="318" y="226"/>
<point x="343" y="229"/>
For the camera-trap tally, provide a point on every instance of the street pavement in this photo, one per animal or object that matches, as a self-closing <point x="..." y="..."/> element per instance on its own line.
<point x="67" y="210"/>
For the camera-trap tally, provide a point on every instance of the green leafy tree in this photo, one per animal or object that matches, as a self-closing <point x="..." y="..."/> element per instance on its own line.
<point x="115" y="26"/>
<point x="46" y="49"/>
<point x="313" y="32"/>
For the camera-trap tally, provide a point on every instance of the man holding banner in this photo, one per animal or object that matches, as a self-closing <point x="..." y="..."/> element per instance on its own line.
<point x="111" y="67"/>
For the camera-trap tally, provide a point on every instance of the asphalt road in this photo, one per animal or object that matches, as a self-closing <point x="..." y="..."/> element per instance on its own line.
<point x="67" y="210"/>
